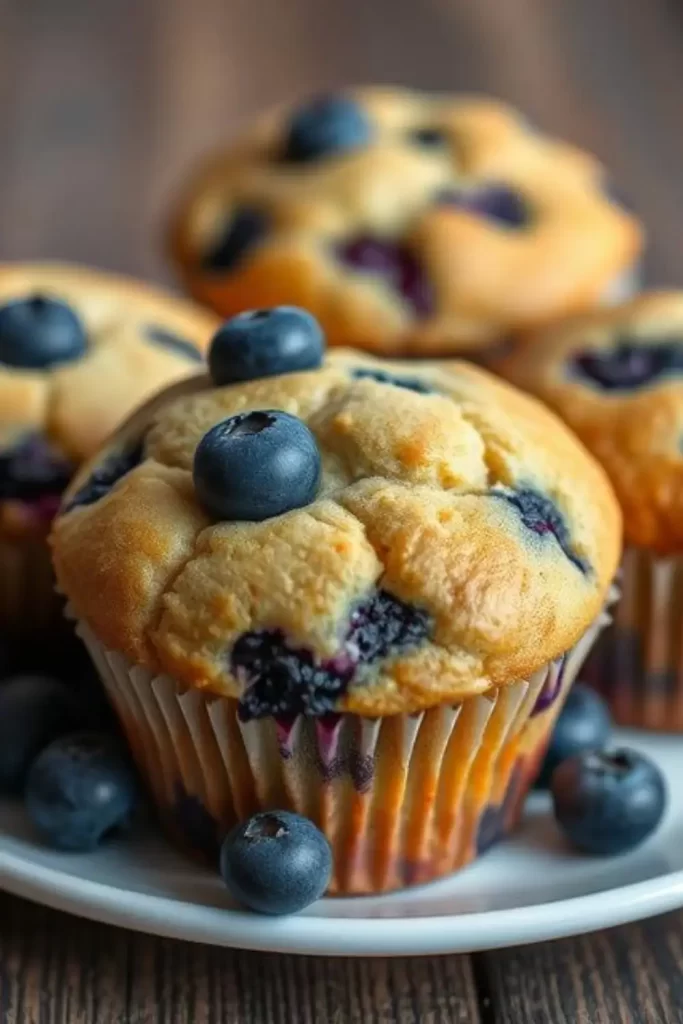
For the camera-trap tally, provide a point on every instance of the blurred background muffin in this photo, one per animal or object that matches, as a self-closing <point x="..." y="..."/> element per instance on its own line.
<point x="79" y="349"/>
<point x="408" y="223"/>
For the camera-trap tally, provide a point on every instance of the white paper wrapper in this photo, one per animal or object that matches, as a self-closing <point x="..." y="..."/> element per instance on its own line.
<point x="638" y="663"/>
<point x="402" y="799"/>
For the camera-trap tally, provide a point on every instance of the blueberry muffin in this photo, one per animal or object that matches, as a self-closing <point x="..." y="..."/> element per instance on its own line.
<point x="410" y="225"/>
<point x="359" y="590"/>
<point x="78" y="351"/>
<point x="617" y="378"/>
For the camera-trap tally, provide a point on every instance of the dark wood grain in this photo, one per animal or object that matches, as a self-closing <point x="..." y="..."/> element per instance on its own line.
<point x="104" y="105"/>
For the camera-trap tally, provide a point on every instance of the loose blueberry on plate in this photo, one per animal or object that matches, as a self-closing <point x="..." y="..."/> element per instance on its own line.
<point x="34" y="710"/>
<point x="81" y="789"/>
<point x="256" y="465"/>
<point x="276" y="862"/>
<point x="37" y="332"/>
<point x="266" y="342"/>
<point x="584" y="724"/>
<point x="607" y="803"/>
<point x="326" y="126"/>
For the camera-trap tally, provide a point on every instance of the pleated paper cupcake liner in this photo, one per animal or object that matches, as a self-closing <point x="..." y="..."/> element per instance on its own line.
<point x="402" y="799"/>
<point x="28" y="603"/>
<point x="638" y="662"/>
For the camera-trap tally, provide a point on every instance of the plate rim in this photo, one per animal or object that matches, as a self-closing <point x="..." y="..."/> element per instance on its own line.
<point x="339" y="936"/>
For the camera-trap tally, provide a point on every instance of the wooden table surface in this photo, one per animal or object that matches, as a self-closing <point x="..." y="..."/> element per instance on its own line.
<point x="104" y="104"/>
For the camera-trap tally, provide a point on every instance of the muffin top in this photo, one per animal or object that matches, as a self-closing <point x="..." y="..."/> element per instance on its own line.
<point x="367" y="536"/>
<point x="408" y="224"/>
<point x="79" y="350"/>
<point x="616" y="377"/>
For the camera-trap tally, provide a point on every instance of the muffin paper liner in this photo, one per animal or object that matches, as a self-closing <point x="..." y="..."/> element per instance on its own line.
<point x="402" y="799"/>
<point x="28" y="603"/>
<point x="637" y="664"/>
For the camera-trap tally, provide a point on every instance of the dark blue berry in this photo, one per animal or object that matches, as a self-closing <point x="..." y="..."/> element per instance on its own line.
<point x="542" y="517"/>
<point x="38" y="332"/>
<point x="584" y="724"/>
<point x="395" y="265"/>
<point x="326" y="127"/>
<point x="174" y="343"/>
<point x="608" y="803"/>
<point x="499" y="203"/>
<point x="382" y="377"/>
<point x="264" y="343"/>
<point x="81" y="789"/>
<point x="282" y="680"/>
<point x="428" y="137"/>
<point x="34" y="710"/>
<point x="102" y="479"/>
<point x="276" y="863"/>
<point x="256" y="465"/>
<point x="241" y="233"/>
<point x="33" y="469"/>
<point x="630" y="364"/>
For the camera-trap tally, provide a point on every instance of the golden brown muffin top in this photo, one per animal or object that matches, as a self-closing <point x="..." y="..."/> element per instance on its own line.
<point x="460" y="538"/>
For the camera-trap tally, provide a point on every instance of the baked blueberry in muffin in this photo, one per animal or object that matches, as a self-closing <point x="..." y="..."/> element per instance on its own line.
<point x="408" y="224"/>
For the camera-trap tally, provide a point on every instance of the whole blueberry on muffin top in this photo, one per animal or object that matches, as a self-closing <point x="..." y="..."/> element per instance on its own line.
<point x="312" y="536"/>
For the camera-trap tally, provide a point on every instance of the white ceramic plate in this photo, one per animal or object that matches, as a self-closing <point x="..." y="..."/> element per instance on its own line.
<point x="525" y="890"/>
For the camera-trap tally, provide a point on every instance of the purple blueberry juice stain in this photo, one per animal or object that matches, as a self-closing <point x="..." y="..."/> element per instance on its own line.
<point x="34" y="472"/>
<point x="495" y="821"/>
<point x="540" y="516"/>
<point x="498" y="203"/>
<point x="284" y="681"/>
<point x="552" y="686"/>
<point x="196" y="825"/>
<point x="395" y="265"/>
<point x="628" y="364"/>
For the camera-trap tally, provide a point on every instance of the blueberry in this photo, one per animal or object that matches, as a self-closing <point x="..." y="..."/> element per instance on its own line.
<point x="608" y="803"/>
<point x="540" y="516"/>
<point x="264" y="343"/>
<point x="181" y="346"/>
<point x="382" y="377"/>
<point x="499" y="203"/>
<point x="428" y="137"/>
<point x="276" y="862"/>
<point x="584" y="724"/>
<point x="34" y="710"/>
<point x="80" y="789"/>
<point x="326" y="126"/>
<point x="395" y="265"/>
<point x="242" y="232"/>
<point x="38" y="332"/>
<point x="102" y="479"/>
<point x="256" y="465"/>
<point x="628" y="363"/>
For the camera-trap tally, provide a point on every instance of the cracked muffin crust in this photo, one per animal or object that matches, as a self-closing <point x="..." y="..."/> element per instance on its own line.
<point x="460" y="539"/>
<point x="408" y="224"/>
<point x="616" y="377"/>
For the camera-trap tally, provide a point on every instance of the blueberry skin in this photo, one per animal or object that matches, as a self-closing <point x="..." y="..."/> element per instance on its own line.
<point x="34" y="710"/>
<point x="328" y="125"/>
<point x="583" y="724"/>
<point x="264" y="343"/>
<point x="81" y="788"/>
<point x="38" y="332"/>
<point x="256" y="465"/>
<point x="608" y="803"/>
<point x="276" y="862"/>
